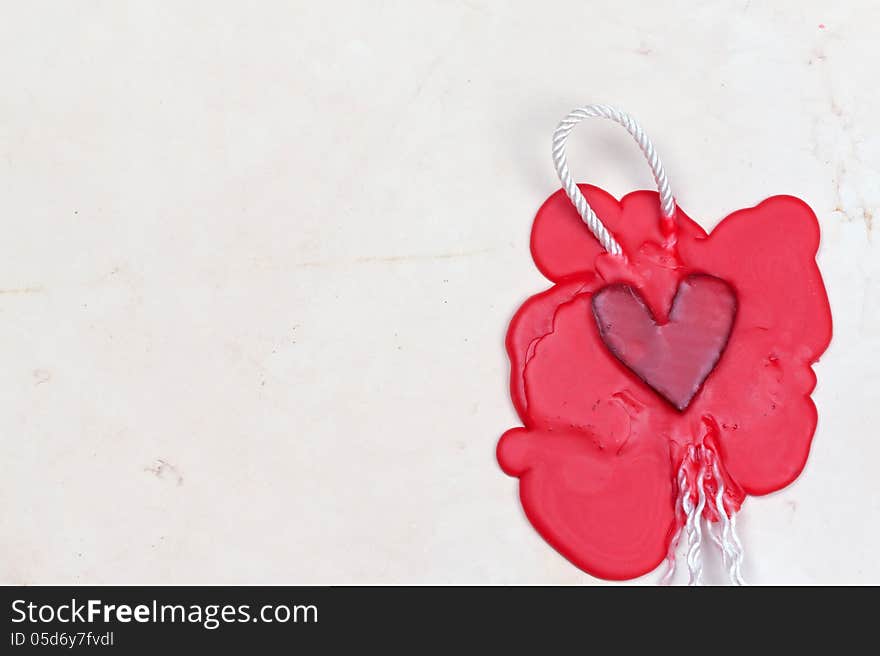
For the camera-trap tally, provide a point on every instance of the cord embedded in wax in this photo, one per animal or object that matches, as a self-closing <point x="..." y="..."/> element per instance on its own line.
<point x="688" y="518"/>
<point x="560" y="136"/>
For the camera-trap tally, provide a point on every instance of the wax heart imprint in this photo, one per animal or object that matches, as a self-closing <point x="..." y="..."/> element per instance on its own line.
<point x="675" y="357"/>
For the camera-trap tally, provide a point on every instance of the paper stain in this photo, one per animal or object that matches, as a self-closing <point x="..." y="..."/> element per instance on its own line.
<point x="42" y="376"/>
<point x="22" y="290"/>
<point x="384" y="259"/>
<point x="164" y="470"/>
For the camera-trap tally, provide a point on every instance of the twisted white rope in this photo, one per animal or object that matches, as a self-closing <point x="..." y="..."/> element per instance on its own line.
<point x="728" y="541"/>
<point x="737" y="545"/>
<point x="680" y="519"/>
<point x="695" y="530"/>
<point x="560" y="136"/>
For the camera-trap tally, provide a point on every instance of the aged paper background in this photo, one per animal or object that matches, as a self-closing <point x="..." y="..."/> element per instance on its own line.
<point x="258" y="260"/>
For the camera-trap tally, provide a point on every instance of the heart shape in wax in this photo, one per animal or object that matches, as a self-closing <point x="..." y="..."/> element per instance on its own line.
<point x="673" y="358"/>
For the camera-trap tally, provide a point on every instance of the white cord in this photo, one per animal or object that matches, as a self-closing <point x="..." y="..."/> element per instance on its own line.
<point x="728" y="542"/>
<point x="560" y="136"/>
<point x="683" y="491"/>
<point x="695" y="531"/>
<point x="739" y="551"/>
<point x="706" y="461"/>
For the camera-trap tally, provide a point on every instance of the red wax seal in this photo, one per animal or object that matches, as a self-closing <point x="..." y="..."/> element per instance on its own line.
<point x="687" y="339"/>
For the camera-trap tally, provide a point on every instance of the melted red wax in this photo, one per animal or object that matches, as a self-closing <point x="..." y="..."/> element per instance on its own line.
<point x="673" y="358"/>
<point x="600" y="446"/>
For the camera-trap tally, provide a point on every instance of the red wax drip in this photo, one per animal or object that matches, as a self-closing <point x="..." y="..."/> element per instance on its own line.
<point x="602" y="434"/>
